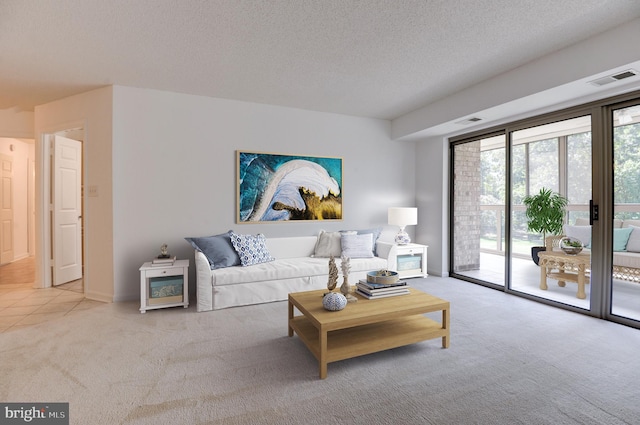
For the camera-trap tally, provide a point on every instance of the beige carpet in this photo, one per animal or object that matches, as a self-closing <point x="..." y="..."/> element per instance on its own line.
<point x="511" y="361"/>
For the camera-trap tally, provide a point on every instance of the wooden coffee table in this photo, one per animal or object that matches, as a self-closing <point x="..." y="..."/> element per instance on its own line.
<point x="569" y="268"/>
<point x="366" y="326"/>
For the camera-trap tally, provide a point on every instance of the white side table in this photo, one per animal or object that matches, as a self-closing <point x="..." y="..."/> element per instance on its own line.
<point x="409" y="260"/>
<point x="164" y="286"/>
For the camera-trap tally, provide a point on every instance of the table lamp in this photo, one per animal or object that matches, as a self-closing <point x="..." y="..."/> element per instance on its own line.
<point x="400" y="216"/>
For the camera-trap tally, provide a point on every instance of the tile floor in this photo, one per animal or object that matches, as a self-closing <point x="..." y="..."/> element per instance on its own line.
<point x="21" y="305"/>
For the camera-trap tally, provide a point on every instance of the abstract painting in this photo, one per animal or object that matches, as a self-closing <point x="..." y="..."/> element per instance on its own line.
<point x="275" y="187"/>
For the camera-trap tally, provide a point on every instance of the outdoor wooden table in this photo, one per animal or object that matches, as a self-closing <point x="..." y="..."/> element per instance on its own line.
<point x="568" y="268"/>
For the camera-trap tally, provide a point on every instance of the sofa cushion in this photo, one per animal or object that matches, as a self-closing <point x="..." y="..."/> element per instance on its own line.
<point x="290" y="268"/>
<point x="633" y="245"/>
<point x="252" y="249"/>
<point x="375" y="232"/>
<point x="626" y="259"/>
<point x="629" y="223"/>
<point x="218" y="249"/>
<point x="292" y="246"/>
<point x="328" y="245"/>
<point x="620" y="238"/>
<point x="580" y="232"/>
<point x="357" y="246"/>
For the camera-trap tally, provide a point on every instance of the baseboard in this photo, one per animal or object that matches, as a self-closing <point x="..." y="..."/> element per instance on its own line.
<point x="97" y="296"/>
<point x="20" y="257"/>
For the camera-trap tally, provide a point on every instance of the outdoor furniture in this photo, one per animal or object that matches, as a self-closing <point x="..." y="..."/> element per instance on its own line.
<point x="565" y="268"/>
<point x="626" y="264"/>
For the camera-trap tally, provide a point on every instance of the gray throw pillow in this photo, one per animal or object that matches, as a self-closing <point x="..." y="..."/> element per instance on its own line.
<point x="218" y="250"/>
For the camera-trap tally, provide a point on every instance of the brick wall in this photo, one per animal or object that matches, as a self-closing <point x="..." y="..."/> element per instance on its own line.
<point x="466" y="201"/>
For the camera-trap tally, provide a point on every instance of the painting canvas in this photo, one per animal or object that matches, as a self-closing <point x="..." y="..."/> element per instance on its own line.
<point x="274" y="187"/>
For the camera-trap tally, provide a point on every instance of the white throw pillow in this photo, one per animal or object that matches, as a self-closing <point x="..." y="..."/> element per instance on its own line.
<point x="328" y="244"/>
<point x="357" y="246"/>
<point x="633" y="245"/>
<point x="580" y="232"/>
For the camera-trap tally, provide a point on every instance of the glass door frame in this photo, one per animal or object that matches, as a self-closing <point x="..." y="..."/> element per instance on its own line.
<point x="507" y="247"/>
<point x="607" y="206"/>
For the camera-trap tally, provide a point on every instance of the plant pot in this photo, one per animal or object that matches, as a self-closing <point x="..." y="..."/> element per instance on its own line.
<point x="534" y="253"/>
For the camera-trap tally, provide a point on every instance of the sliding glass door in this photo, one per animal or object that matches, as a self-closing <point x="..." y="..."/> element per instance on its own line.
<point x="625" y="235"/>
<point x="555" y="158"/>
<point x="588" y="155"/>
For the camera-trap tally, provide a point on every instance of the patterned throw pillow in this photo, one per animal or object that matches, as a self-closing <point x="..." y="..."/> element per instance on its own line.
<point x="252" y="249"/>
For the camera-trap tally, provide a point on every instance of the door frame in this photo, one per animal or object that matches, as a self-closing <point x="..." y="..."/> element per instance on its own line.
<point x="43" y="164"/>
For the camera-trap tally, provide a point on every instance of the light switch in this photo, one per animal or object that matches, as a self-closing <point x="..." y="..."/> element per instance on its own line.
<point x="93" y="190"/>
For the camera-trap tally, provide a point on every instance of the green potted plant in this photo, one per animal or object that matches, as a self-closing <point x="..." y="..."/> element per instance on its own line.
<point x="545" y="214"/>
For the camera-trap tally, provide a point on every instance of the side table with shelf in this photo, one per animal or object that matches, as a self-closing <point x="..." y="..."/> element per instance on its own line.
<point x="164" y="286"/>
<point x="409" y="260"/>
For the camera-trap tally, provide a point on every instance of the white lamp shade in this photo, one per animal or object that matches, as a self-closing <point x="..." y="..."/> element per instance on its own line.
<point x="401" y="216"/>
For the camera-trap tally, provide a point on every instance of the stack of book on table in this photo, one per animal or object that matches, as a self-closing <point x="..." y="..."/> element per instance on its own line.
<point x="163" y="262"/>
<point x="372" y="290"/>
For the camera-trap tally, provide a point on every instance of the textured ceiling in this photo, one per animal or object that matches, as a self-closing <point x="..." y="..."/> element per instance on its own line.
<point x="374" y="58"/>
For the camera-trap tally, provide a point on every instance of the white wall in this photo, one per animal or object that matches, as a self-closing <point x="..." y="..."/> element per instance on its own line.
<point x="432" y="194"/>
<point x="16" y="123"/>
<point x="23" y="152"/>
<point x="174" y="170"/>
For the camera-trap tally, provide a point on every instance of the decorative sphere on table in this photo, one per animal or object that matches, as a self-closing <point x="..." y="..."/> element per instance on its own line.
<point x="334" y="301"/>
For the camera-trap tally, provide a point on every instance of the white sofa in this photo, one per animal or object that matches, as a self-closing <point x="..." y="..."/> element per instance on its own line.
<point x="294" y="269"/>
<point x="626" y="255"/>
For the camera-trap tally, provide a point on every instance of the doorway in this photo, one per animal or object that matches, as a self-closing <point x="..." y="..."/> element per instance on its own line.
<point x="16" y="199"/>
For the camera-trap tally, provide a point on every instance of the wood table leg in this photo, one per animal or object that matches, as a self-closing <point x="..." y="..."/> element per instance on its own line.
<point x="290" y="318"/>
<point x="446" y="325"/>
<point x="561" y="268"/>
<point x="543" y="274"/>
<point x="322" y="361"/>
<point x="581" y="281"/>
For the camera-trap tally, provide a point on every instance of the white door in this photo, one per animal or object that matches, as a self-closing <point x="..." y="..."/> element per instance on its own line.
<point x="6" y="209"/>
<point x="67" y="210"/>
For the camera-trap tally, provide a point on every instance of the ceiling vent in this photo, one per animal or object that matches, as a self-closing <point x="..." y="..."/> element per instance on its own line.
<point x="614" y="77"/>
<point x="469" y="121"/>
